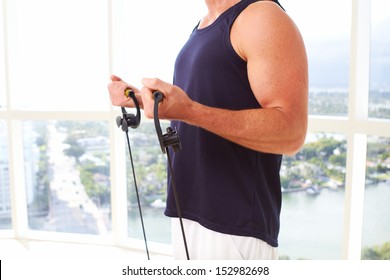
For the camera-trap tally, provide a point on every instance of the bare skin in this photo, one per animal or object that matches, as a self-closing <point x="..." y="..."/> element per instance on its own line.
<point x="265" y="37"/>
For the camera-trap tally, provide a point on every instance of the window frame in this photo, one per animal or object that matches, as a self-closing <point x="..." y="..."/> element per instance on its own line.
<point x="356" y="126"/>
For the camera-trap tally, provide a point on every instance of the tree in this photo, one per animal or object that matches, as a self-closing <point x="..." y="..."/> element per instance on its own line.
<point x="75" y="151"/>
<point x="377" y="252"/>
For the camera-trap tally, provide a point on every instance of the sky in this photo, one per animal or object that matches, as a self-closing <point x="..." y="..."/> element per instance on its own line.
<point x="325" y="27"/>
<point x="58" y="52"/>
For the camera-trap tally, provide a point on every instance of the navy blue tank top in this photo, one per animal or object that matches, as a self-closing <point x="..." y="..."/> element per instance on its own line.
<point x="221" y="185"/>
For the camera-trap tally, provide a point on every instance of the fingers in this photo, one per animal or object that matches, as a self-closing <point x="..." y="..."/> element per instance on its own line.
<point x="150" y="86"/>
<point x="147" y="101"/>
<point x="115" y="78"/>
<point x="156" y="84"/>
<point x="116" y="90"/>
<point x="166" y="106"/>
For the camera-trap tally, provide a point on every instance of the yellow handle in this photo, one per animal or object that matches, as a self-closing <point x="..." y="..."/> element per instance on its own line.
<point x="128" y="91"/>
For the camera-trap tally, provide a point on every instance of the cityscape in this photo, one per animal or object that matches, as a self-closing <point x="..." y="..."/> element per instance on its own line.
<point x="67" y="167"/>
<point x="67" y="163"/>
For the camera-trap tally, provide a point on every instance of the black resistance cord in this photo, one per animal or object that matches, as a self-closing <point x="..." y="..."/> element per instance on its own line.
<point x="169" y="139"/>
<point x="133" y="121"/>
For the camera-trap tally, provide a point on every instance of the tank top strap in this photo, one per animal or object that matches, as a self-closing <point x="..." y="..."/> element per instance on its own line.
<point x="242" y="5"/>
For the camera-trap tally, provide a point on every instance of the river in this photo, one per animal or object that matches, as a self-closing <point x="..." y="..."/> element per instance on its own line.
<point x="311" y="225"/>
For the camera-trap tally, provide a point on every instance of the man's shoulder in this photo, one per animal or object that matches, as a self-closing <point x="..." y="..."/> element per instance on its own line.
<point x="264" y="22"/>
<point x="263" y="13"/>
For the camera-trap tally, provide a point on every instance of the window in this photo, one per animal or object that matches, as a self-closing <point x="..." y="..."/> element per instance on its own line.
<point x="65" y="164"/>
<point x="379" y="102"/>
<point x="322" y="29"/>
<point x="67" y="176"/>
<point x="314" y="179"/>
<point x="5" y="197"/>
<point x="151" y="177"/>
<point x="313" y="188"/>
<point x="376" y="225"/>
<point x="55" y="63"/>
<point x="151" y="58"/>
<point x="2" y="64"/>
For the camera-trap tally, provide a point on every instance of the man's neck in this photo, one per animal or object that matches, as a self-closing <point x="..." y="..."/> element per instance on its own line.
<point x="215" y="9"/>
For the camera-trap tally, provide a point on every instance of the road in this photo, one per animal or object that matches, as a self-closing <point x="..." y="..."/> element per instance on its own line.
<point x="71" y="210"/>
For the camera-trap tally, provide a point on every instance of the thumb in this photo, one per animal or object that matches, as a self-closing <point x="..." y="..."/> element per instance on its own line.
<point x="115" y="78"/>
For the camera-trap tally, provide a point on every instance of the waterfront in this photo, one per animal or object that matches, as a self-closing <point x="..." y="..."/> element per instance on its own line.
<point x="311" y="226"/>
<point x="311" y="223"/>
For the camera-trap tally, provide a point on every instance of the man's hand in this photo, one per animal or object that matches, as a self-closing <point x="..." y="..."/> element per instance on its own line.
<point x="175" y="104"/>
<point x="117" y="89"/>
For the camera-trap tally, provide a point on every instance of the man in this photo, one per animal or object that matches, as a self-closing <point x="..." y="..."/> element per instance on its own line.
<point x="239" y="101"/>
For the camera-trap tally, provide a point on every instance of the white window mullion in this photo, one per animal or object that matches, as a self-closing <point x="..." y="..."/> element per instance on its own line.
<point x="118" y="185"/>
<point x="319" y="124"/>
<point x="357" y="143"/>
<point x="354" y="196"/>
<point x="3" y="56"/>
<point x="14" y="133"/>
<point x="17" y="179"/>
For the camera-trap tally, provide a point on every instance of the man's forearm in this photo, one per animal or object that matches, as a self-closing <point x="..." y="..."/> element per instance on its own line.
<point x="265" y="130"/>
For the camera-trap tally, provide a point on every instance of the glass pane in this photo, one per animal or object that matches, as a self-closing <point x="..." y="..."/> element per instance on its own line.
<point x="376" y="226"/>
<point x="379" y="102"/>
<point x="322" y="29"/>
<point x="5" y="197"/>
<point x="2" y="99"/>
<point x="151" y="176"/>
<point x="156" y="59"/>
<point x="313" y="183"/>
<point x="2" y="92"/>
<point x="58" y="54"/>
<point x="164" y="24"/>
<point x="67" y="176"/>
<point x="2" y="62"/>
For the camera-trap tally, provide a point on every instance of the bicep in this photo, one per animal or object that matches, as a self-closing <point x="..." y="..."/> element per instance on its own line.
<point x="276" y="62"/>
<point x="279" y="80"/>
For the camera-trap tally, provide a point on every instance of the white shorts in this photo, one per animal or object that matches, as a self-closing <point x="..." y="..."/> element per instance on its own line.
<point x="205" y="244"/>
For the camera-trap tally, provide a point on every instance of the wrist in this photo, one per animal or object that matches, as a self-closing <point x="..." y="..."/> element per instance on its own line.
<point x="192" y="112"/>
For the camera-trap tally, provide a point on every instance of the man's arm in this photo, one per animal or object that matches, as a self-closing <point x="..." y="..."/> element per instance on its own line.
<point x="269" y="41"/>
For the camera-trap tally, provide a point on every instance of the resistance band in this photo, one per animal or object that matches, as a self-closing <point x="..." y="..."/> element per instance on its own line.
<point x="130" y="120"/>
<point x="169" y="139"/>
